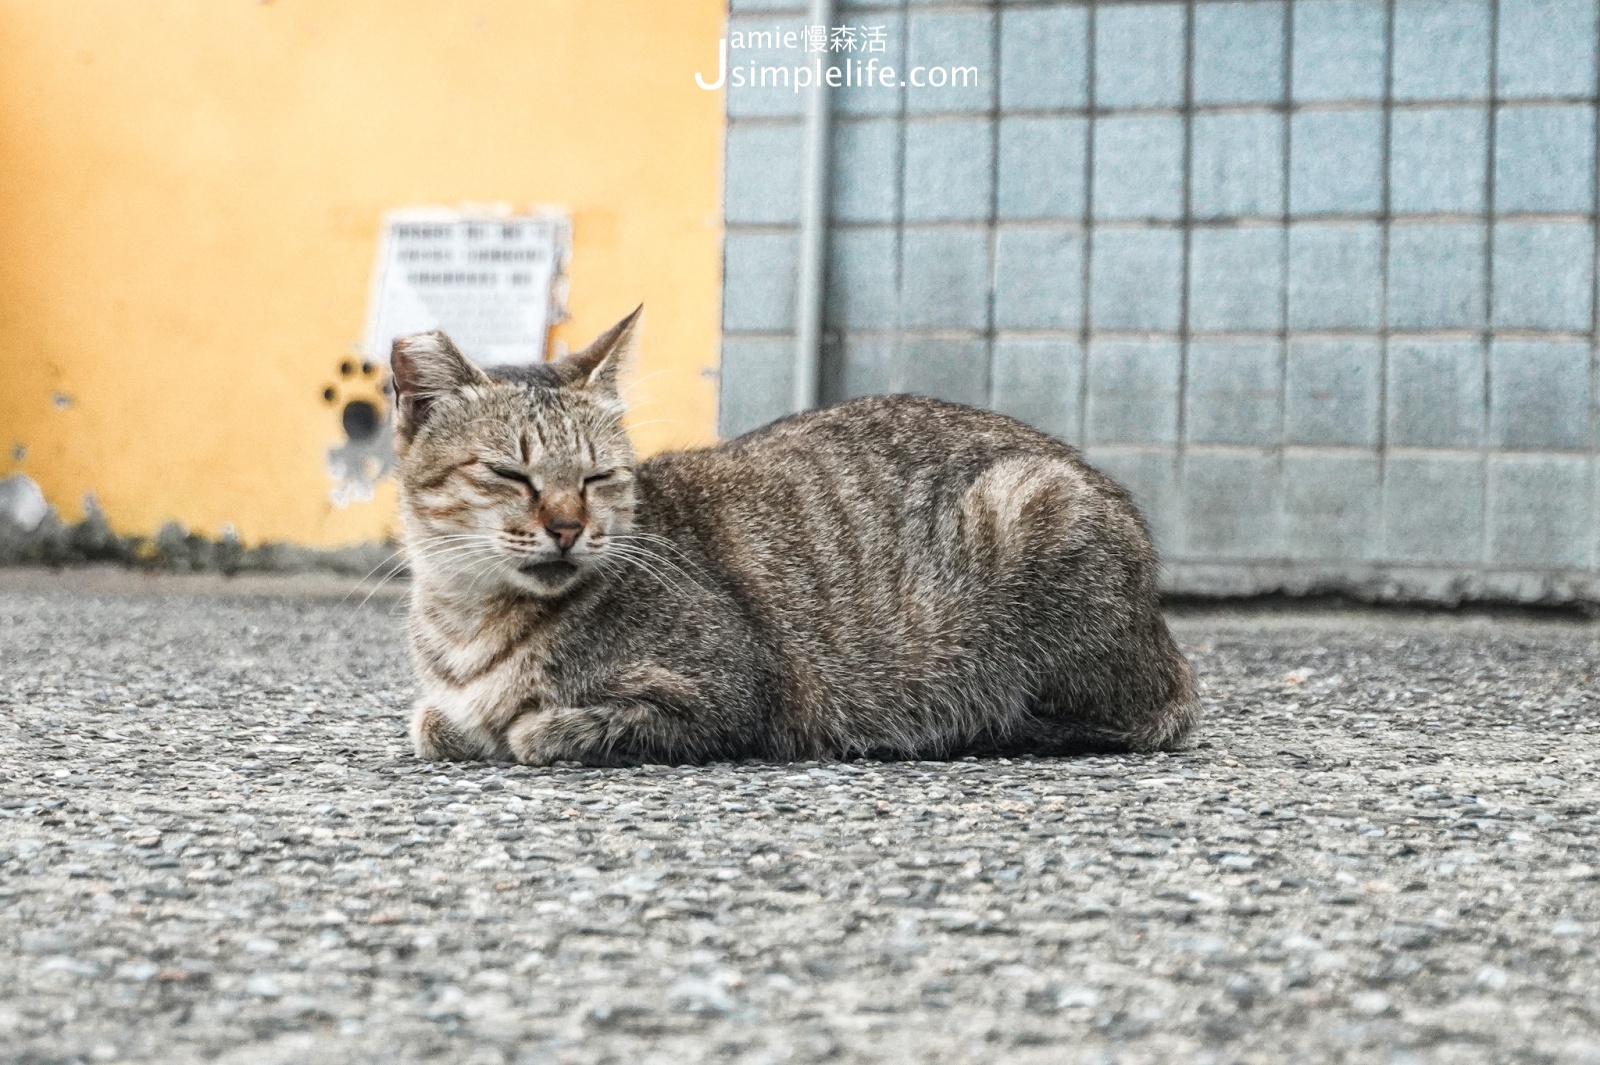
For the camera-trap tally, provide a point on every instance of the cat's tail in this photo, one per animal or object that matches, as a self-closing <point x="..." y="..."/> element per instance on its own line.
<point x="1054" y="737"/>
<point x="1170" y="728"/>
<point x="1162" y="720"/>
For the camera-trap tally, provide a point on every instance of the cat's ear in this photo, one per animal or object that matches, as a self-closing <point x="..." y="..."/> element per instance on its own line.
<point x="596" y="367"/>
<point x="424" y="367"/>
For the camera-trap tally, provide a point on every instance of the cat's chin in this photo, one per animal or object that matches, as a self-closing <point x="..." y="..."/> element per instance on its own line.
<point x="548" y="576"/>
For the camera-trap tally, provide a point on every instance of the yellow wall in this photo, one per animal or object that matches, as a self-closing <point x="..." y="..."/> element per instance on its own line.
<point x="190" y="193"/>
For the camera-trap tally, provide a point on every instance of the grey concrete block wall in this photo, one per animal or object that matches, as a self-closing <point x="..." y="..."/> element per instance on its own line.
<point x="1316" y="279"/>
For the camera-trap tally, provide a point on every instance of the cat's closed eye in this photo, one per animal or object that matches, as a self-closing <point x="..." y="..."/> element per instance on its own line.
<point x="599" y="478"/>
<point x="514" y="475"/>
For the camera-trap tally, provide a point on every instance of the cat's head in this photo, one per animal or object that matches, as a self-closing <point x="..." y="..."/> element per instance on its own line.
<point x="512" y="478"/>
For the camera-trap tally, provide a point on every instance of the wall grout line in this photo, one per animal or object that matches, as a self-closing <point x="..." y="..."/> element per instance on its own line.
<point x="1592" y="548"/>
<point x="1485" y="345"/>
<point x="897" y="375"/>
<point x="1287" y="98"/>
<point x="1204" y="110"/>
<point x="1382" y="428"/>
<point x="1180" y="464"/>
<point x="996" y="26"/>
<point x="1086" y="317"/>
<point x="1268" y="335"/>
<point x="1233" y="222"/>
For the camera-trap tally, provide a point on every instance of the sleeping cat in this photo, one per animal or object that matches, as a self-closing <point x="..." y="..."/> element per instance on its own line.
<point x="892" y="576"/>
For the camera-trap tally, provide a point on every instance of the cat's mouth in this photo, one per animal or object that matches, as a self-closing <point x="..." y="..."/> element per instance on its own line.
<point x="550" y="571"/>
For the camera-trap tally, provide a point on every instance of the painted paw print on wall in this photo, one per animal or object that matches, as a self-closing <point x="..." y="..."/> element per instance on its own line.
<point x="367" y="454"/>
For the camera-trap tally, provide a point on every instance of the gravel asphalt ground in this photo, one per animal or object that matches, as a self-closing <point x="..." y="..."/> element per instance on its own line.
<point x="215" y="845"/>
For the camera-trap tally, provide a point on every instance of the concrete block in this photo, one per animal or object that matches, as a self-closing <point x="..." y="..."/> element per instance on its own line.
<point x="1547" y="47"/>
<point x="945" y="278"/>
<point x="863" y="289"/>
<point x="957" y="41"/>
<point x="1133" y="392"/>
<point x="1441" y="49"/>
<point x="1150" y="477"/>
<point x="1331" y="392"/>
<point x="1236" y="279"/>
<point x="1043" y="167"/>
<point x="953" y="370"/>
<point x="1233" y="392"/>
<point x="1339" y="50"/>
<point x="1543" y="275"/>
<point x="1138" y="167"/>
<point x="1136" y="278"/>
<point x="762" y="178"/>
<point x="1044" y="58"/>
<point x="1039" y="381"/>
<point x="1433" y="509"/>
<point x="949" y="170"/>
<point x="860" y="97"/>
<point x="765" y="89"/>
<point x="1232" y="506"/>
<point x="1539" y="511"/>
<point x="1236" y="162"/>
<point x="864" y="178"/>
<point x="864" y="366"/>
<point x="1544" y="159"/>
<point x="758" y="282"/>
<point x="1331" y="507"/>
<point x="1335" y="276"/>
<point x="1438" y="160"/>
<point x="1038" y="279"/>
<point x="1539" y="393"/>
<point x="1238" y="52"/>
<point x="755" y="382"/>
<point x="1336" y="162"/>
<point x="1139" y="55"/>
<point x="1435" y="393"/>
<point x="1437" y="276"/>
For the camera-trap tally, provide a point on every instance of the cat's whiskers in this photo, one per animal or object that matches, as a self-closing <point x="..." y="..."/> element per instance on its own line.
<point x="689" y="569"/>
<point x="644" y="564"/>
<point x="447" y="548"/>
<point x="409" y="552"/>
<point x="396" y="553"/>
<point x="662" y="569"/>
<point x="482" y="568"/>
<point x="462" y="551"/>
<point x="450" y="552"/>
<point x="635" y="538"/>
<point x="387" y="577"/>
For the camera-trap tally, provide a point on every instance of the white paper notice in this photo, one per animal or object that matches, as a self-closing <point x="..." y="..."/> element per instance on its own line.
<point x="489" y="282"/>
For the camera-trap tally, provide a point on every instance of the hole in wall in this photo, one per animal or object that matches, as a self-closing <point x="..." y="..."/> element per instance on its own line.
<point x="360" y="420"/>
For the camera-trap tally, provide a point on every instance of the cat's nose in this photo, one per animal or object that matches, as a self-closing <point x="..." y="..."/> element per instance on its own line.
<point x="565" y="531"/>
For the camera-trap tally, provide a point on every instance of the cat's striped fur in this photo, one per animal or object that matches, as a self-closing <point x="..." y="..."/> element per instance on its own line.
<point x="893" y="576"/>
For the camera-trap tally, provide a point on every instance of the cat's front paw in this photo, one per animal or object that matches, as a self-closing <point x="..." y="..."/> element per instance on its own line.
<point x="546" y="737"/>
<point x="436" y="739"/>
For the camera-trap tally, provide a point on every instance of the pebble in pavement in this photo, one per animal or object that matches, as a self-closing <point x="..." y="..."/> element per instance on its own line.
<point x="215" y="845"/>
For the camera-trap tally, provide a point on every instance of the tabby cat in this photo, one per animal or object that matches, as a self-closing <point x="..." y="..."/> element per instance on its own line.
<point x="893" y="576"/>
